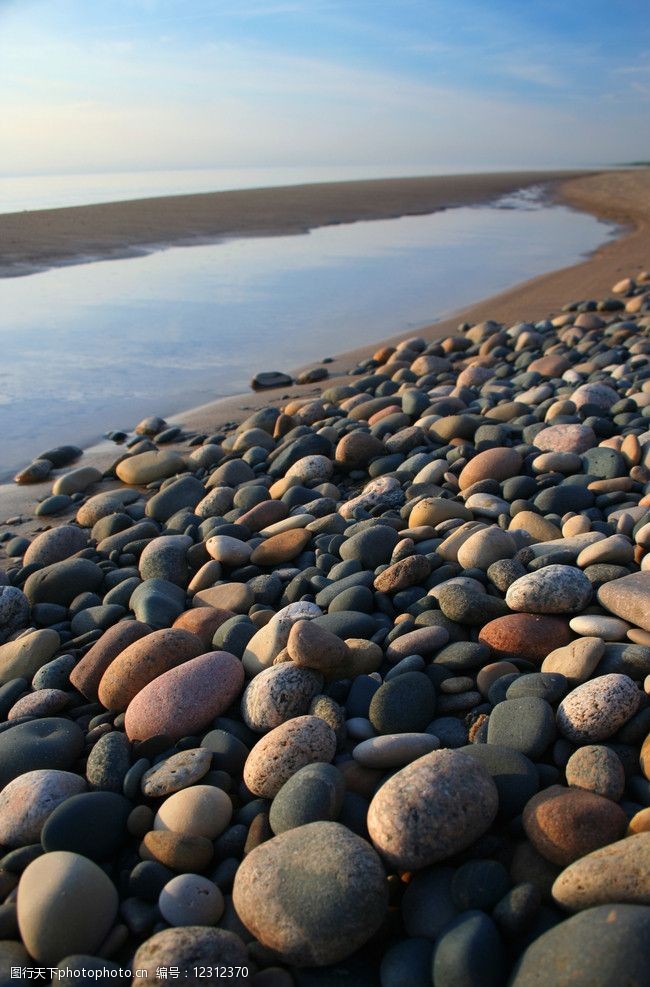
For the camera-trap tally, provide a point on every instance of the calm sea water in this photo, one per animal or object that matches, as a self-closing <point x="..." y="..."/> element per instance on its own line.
<point x="56" y="191"/>
<point x="96" y="346"/>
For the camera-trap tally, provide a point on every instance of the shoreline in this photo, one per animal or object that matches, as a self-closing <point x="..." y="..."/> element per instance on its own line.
<point x="622" y="197"/>
<point x="33" y="241"/>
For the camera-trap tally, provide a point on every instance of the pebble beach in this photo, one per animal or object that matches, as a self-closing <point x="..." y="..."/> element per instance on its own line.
<point x="352" y="687"/>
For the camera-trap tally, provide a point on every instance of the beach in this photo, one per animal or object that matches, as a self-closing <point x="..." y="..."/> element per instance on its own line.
<point x="34" y="240"/>
<point x="349" y="678"/>
<point x="620" y="196"/>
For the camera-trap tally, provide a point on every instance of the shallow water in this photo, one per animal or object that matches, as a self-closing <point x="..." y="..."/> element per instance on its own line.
<point x="96" y="346"/>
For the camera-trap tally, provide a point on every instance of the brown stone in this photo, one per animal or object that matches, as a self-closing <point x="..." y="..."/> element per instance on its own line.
<point x="499" y="463"/>
<point x="203" y="622"/>
<point x="143" y="661"/>
<point x="181" y="853"/>
<point x="576" y="661"/>
<point x="236" y="597"/>
<point x="87" y="674"/>
<point x="411" y="571"/>
<point x="184" y="700"/>
<point x="433" y="510"/>
<point x="537" y="526"/>
<point x="628" y="598"/>
<point x="564" y="824"/>
<point x="264" y="514"/>
<point x="524" y="635"/>
<point x="356" y="449"/>
<point x="284" y="750"/>
<point x="617" y="873"/>
<point x="281" y="548"/>
<point x="311" y="646"/>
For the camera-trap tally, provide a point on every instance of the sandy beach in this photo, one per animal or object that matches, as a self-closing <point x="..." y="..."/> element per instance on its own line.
<point x="619" y="196"/>
<point x="35" y="240"/>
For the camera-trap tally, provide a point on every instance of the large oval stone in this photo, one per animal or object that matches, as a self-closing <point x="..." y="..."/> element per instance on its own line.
<point x="184" y="700"/>
<point x="289" y="747"/>
<point x="313" y="894"/>
<point x="432" y="809"/>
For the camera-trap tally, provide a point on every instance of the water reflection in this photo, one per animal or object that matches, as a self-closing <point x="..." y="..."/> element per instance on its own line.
<point x="95" y="346"/>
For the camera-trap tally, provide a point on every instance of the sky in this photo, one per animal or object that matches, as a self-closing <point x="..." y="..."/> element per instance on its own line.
<point x="105" y="85"/>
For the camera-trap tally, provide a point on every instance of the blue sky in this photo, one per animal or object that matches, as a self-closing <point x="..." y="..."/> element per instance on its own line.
<point x="91" y="85"/>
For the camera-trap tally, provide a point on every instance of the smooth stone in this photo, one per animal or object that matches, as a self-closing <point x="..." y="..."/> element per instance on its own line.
<point x="280" y="548"/>
<point x="566" y="823"/>
<point x="236" y="597"/>
<point x="190" y="899"/>
<point x="297" y="891"/>
<point x="526" y="725"/>
<point x="284" y="750"/>
<point x="606" y="945"/>
<point x="271" y="378"/>
<point x="28" y="801"/>
<point x="66" y="905"/>
<point x="181" y="853"/>
<point x="598" y="708"/>
<point x="192" y="947"/>
<point x="404" y="704"/>
<point x="597" y="769"/>
<point x="231" y="551"/>
<point x="433" y="510"/>
<point x="628" y="598"/>
<point x="142" y="662"/>
<point x="348" y="624"/>
<point x="469" y="952"/>
<point x="109" y="762"/>
<point x="87" y="673"/>
<point x="566" y="438"/>
<point x="176" y="772"/>
<point x="498" y="463"/>
<point x="595" y="625"/>
<point x="23" y="657"/>
<point x="157" y="602"/>
<point x="61" y="456"/>
<point x="394" y="750"/>
<point x="485" y="547"/>
<point x="62" y="581"/>
<point x="77" y="481"/>
<point x="422" y="641"/>
<point x="432" y="809"/>
<point x="465" y="605"/>
<point x="184" y="493"/>
<point x="618" y="873"/>
<point x="554" y="589"/>
<point x="278" y="694"/>
<point x="200" y="810"/>
<point x="14" y="611"/>
<point x="182" y="701"/>
<point x="42" y="702"/>
<point x="313" y="794"/>
<point x="316" y="648"/>
<point x="166" y="558"/>
<point x="43" y="743"/>
<point x="92" y="824"/>
<point x="56" y="545"/>
<point x="145" y="467"/>
<point x="576" y="661"/>
<point x="371" y="547"/>
<point x="104" y="504"/>
<point x="537" y="526"/>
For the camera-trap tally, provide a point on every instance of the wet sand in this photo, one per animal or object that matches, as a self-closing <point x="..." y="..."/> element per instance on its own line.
<point x="623" y="197"/>
<point x="35" y="240"/>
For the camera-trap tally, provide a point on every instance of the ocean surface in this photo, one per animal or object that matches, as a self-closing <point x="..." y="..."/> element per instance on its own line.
<point x="96" y="346"/>
<point x="57" y="191"/>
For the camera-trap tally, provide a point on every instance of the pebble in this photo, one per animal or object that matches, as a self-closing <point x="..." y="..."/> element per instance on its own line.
<point x="616" y="874"/>
<point x="278" y="694"/>
<point x="52" y="742"/>
<point x="576" y="661"/>
<point x="528" y="636"/>
<point x="66" y="904"/>
<point x="404" y="704"/>
<point x="566" y="823"/>
<point x="176" y="772"/>
<point x="526" y="725"/>
<point x="200" y="810"/>
<point x="25" y="655"/>
<point x="609" y="944"/>
<point x="596" y="709"/>
<point x="394" y="750"/>
<point x="190" y="899"/>
<point x="188" y="948"/>
<point x="432" y="809"/>
<point x="92" y="824"/>
<point x="185" y="699"/>
<point x="284" y="750"/>
<point x="145" y="467"/>
<point x="348" y="891"/>
<point x="27" y="802"/>
<point x="554" y="589"/>
<point x="313" y="794"/>
<point x="628" y="598"/>
<point x="597" y="769"/>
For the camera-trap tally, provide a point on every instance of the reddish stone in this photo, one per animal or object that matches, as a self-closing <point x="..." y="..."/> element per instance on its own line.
<point x="564" y="824"/>
<point x="87" y="675"/>
<point x="203" y="621"/>
<point x="525" y="635"/>
<point x="143" y="661"/>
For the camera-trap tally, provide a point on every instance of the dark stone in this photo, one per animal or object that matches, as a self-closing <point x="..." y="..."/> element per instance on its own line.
<point x="469" y="953"/>
<point x="42" y="743"/>
<point x="524" y="725"/>
<point x="406" y="704"/>
<point x="515" y="776"/>
<point x="92" y="824"/>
